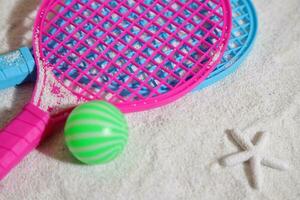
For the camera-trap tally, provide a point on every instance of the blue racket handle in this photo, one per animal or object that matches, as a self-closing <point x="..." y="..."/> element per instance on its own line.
<point x="16" y="67"/>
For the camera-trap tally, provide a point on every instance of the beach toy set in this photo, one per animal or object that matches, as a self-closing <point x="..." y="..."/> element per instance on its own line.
<point x="114" y="57"/>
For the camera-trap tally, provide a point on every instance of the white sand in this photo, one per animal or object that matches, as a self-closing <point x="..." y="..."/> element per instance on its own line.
<point x="173" y="151"/>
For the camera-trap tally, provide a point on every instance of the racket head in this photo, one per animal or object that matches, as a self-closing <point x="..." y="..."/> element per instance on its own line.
<point x="242" y="39"/>
<point x="75" y="42"/>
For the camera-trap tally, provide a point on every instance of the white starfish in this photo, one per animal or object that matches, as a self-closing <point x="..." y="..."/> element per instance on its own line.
<point x="255" y="155"/>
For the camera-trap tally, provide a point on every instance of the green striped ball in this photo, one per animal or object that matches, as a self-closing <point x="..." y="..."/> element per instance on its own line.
<point x="96" y="132"/>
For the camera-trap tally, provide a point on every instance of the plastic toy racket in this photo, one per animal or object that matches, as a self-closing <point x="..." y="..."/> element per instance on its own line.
<point x="137" y="55"/>
<point x="19" y="67"/>
<point x="243" y="34"/>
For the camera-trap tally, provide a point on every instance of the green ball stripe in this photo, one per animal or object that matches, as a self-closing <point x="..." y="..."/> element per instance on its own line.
<point x="103" y="114"/>
<point x="82" y="137"/>
<point x="94" y="135"/>
<point x="96" y="132"/>
<point x="91" y="119"/>
<point x="92" y="125"/>
<point x="86" y="153"/>
<point x="88" y="144"/>
<point x="105" y="159"/>
<point x="94" y="108"/>
<point x="91" y="141"/>
<point x="94" y="140"/>
<point x="100" y="156"/>
<point x="97" y="147"/>
<point x="84" y="113"/>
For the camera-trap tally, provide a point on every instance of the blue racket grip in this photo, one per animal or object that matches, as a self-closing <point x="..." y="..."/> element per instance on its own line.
<point x="17" y="67"/>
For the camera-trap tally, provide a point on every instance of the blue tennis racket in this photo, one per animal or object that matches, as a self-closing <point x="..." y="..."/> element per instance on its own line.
<point x="18" y="67"/>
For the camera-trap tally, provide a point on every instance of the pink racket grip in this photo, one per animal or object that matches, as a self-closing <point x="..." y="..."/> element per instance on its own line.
<point x="21" y="136"/>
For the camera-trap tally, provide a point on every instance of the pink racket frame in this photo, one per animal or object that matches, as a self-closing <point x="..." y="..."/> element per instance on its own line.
<point x="161" y="99"/>
<point x="26" y="131"/>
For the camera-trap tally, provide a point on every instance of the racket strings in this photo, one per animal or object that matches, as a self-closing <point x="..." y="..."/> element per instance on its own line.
<point x="102" y="63"/>
<point x="120" y="68"/>
<point x="114" y="68"/>
<point x="141" y="60"/>
<point x="153" y="82"/>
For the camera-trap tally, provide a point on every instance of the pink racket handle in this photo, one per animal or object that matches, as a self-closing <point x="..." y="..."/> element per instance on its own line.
<point x="21" y="136"/>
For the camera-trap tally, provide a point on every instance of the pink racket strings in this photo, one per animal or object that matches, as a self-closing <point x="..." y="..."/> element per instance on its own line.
<point x="134" y="54"/>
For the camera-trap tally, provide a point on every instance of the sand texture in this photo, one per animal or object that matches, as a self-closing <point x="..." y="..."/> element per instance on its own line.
<point x="173" y="151"/>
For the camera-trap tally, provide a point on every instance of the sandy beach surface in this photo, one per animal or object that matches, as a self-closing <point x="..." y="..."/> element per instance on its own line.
<point x="173" y="151"/>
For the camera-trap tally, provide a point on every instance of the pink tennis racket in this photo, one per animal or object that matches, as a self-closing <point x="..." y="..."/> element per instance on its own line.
<point x="137" y="55"/>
